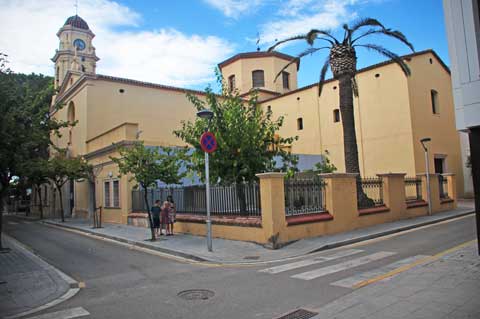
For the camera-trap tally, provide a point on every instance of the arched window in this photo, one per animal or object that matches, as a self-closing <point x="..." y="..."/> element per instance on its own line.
<point x="71" y="113"/>
<point x="231" y="82"/>
<point x="258" y="79"/>
<point x="435" y="106"/>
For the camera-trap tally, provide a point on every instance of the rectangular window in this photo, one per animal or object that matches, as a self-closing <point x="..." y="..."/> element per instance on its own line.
<point x="106" y="194"/>
<point x="434" y="98"/>
<point x="116" y="194"/>
<point x="336" y="115"/>
<point x="258" y="79"/>
<point x="300" y="124"/>
<point x="286" y="80"/>
<point x="231" y="83"/>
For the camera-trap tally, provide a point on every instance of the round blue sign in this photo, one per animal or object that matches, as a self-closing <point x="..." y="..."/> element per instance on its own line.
<point x="208" y="143"/>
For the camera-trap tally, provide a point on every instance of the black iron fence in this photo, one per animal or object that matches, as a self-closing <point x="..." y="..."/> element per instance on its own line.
<point x="413" y="189"/>
<point x="235" y="200"/>
<point x="304" y="196"/>
<point x="369" y="192"/>
<point x="443" y="187"/>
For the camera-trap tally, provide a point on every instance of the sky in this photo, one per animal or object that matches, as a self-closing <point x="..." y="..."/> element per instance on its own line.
<point x="180" y="42"/>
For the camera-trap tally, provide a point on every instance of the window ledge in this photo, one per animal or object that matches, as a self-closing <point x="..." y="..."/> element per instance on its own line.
<point x="308" y="218"/>
<point x="373" y="210"/>
<point x="446" y="200"/>
<point x="416" y="203"/>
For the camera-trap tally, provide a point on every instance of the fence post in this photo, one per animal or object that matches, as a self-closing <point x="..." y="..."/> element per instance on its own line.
<point x="451" y="186"/>
<point x="341" y="199"/>
<point x="394" y="195"/>
<point x="434" y="190"/>
<point x="272" y="199"/>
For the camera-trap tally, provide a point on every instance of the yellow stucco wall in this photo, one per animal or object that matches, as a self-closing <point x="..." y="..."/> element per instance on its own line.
<point x="439" y="127"/>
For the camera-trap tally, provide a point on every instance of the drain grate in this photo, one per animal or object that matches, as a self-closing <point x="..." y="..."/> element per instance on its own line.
<point x="299" y="314"/>
<point x="196" y="294"/>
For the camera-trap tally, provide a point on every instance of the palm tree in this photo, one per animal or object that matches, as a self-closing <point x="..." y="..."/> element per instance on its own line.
<point x="342" y="60"/>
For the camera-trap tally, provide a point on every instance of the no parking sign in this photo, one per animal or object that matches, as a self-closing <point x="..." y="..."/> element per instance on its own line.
<point x="208" y="142"/>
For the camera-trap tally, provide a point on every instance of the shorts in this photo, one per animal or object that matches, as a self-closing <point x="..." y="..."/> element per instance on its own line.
<point x="156" y="222"/>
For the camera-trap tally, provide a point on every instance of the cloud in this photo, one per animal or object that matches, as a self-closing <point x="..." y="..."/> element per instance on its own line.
<point x="235" y="8"/>
<point x="296" y="17"/>
<point x="28" y="35"/>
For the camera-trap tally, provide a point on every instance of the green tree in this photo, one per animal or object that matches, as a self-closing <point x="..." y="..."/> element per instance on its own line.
<point x="247" y="137"/>
<point x="342" y="60"/>
<point x="37" y="173"/>
<point x="147" y="165"/>
<point x="248" y="140"/>
<point x="325" y="166"/>
<point x="62" y="169"/>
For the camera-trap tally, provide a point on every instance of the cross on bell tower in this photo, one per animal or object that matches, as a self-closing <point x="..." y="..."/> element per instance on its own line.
<point x="76" y="52"/>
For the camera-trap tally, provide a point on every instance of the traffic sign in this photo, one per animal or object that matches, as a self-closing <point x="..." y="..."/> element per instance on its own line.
<point x="208" y="143"/>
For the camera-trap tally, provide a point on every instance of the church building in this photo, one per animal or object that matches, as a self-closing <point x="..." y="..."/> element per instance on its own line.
<point x="392" y="114"/>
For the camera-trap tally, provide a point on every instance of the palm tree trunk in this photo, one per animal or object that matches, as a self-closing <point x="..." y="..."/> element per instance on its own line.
<point x="350" y="137"/>
<point x="348" y="124"/>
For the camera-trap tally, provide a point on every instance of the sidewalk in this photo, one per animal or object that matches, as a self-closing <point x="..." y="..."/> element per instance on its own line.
<point x="231" y="251"/>
<point x="27" y="283"/>
<point x="448" y="287"/>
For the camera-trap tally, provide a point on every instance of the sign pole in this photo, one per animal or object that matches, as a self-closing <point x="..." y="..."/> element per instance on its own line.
<point x="209" y="222"/>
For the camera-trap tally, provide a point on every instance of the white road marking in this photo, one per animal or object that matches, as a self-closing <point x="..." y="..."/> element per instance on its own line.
<point x="308" y="262"/>
<point x="309" y="275"/>
<point x="64" y="314"/>
<point x="350" y="282"/>
<point x="12" y="223"/>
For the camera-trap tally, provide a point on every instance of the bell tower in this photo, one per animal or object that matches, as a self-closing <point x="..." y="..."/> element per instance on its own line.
<point x="76" y="52"/>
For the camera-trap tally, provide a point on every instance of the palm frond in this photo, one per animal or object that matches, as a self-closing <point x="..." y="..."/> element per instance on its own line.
<point x="389" y="54"/>
<point x="389" y="32"/>
<point x="363" y="22"/>
<point x="297" y="58"/>
<point x="297" y="37"/>
<point x="313" y="34"/>
<point x="323" y="73"/>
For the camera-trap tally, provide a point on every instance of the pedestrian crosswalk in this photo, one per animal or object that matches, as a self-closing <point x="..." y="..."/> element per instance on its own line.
<point x="308" y="262"/>
<point x="345" y="259"/>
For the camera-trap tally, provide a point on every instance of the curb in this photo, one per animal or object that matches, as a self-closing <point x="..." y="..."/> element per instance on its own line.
<point x="73" y="285"/>
<point x="387" y="232"/>
<point x="194" y="258"/>
<point x="132" y="242"/>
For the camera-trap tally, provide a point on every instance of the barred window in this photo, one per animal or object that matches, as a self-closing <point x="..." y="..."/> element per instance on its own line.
<point x="116" y="194"/>
<point x="106" y="192"/>
<point x="258" y="79"/>
<point x="286" y="80"/>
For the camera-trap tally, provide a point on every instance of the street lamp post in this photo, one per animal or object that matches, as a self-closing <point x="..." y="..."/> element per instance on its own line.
<point x="427" y="167"/>
<point x="208" y="115"/>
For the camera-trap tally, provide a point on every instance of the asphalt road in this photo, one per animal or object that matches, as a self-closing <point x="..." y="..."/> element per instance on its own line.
<point x="121" y="282"/>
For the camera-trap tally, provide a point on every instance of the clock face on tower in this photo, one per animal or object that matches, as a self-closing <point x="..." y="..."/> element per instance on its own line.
<point x="79" y="44"/>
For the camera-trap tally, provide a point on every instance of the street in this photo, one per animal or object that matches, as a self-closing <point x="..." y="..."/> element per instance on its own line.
<point x="123" y="282"/>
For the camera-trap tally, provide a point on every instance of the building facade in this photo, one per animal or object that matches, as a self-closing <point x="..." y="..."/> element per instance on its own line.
<point x="392" y="114"/>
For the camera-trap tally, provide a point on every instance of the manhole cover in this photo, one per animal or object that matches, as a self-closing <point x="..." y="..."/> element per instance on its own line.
<point x="196" y="294"/>
<point x="299" y="314"/>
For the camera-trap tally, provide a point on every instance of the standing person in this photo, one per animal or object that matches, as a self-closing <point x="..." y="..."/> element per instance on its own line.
<point x="164" y="217"/>
<point x="156" y="217"/>
<point x="172" y="213"/>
